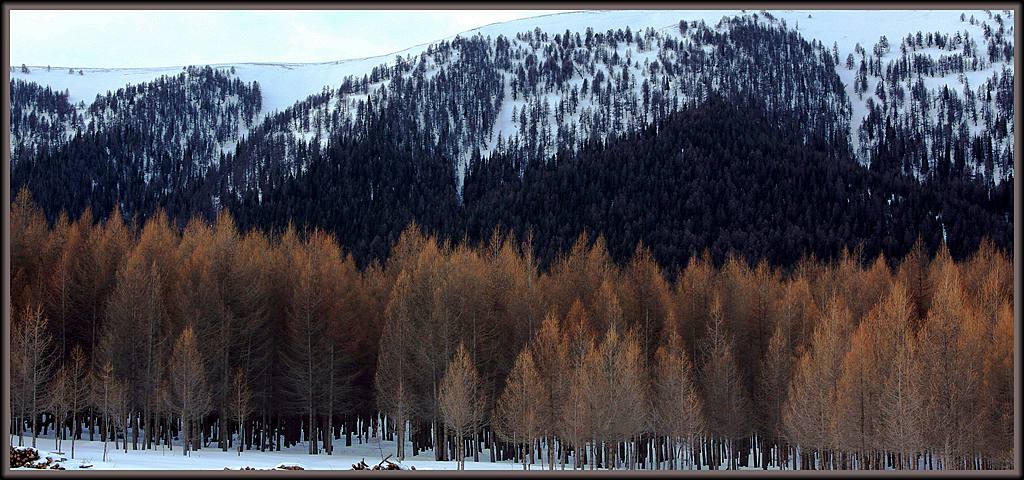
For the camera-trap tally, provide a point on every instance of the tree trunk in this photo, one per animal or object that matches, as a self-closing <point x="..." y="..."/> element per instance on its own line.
<point x="104" y="435"/>
<point x="35" y="417"/>
<point x="135" y="431"/>
<point x="74" y="427"/>
<point x="186" y="442"/>
<point x="439" y="440"/>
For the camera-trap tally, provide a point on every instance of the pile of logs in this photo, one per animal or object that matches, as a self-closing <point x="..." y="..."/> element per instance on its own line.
<point x="362" y="465"/>
<point x="22" y="457"/>
<point x="29" y="457"/>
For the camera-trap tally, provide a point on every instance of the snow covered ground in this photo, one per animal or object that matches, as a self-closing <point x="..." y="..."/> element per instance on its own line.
<point x="212" y="458"/>
<point x="91" y="453"/>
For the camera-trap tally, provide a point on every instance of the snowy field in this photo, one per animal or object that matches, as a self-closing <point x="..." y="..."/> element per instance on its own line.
<point x="212" y="458"/>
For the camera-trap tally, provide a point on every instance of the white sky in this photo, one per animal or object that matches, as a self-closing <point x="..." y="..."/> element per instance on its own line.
<point x="157" y="38"/>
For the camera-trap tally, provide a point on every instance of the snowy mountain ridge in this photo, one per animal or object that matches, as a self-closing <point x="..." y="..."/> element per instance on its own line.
<point x="848" y="34"/>
<point x="285" y="83"/>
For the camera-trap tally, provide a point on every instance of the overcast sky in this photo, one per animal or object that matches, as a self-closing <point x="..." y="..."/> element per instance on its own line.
<point x="118" y="38"/>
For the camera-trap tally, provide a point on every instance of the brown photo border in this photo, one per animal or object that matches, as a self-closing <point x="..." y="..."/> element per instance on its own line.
<point x="1014" y="6"/>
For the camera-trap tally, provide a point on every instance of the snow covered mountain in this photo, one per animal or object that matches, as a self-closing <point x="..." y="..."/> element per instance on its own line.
<point x="981" y="41"/>
<point x="285" y="83"/>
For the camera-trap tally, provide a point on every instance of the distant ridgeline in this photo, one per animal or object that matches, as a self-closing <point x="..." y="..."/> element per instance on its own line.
<point x="733" y="137"/>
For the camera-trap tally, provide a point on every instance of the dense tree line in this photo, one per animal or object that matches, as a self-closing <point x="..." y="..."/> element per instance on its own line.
<point x="729" y="178"/>
<point x="210" y="336"/>
<point x="714" y="175"/>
